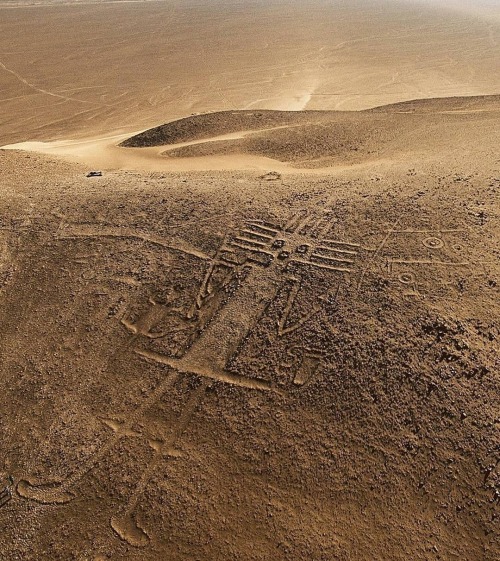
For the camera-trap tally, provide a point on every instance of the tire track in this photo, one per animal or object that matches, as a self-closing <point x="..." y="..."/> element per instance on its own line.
<point x="41" y="90"/>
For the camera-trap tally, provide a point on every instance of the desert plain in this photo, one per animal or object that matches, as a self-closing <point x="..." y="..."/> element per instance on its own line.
<point x="269" y="329"/>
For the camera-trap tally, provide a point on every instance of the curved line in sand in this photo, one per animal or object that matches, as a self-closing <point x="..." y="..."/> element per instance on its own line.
<point x="41" y="90"/>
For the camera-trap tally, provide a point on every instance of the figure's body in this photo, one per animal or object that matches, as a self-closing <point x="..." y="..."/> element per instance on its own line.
<point x="260" y="255"/>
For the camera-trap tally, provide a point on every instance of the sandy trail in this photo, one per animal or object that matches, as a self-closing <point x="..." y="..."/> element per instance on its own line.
<point x="105" y="153"/>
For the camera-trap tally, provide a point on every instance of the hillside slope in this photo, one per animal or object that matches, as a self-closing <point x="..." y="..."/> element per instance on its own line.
<point x="219" y="366"/>
<point x="317" y="139"/>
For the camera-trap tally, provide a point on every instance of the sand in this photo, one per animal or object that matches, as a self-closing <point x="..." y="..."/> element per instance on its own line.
<point x="102" y="68"/>
<point x="270" y="329"/>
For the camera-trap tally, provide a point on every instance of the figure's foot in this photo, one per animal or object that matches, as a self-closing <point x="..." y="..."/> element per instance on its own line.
<point x="128" y="530"/>
<point x="46" y="493"/>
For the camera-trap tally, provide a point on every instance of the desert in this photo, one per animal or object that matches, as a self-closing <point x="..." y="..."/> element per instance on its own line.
<point x="249" y="280"/>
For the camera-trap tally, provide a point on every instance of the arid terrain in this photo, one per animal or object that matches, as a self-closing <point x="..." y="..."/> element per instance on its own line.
<point x="74" y="70"/>
<point x="270" y="329"/>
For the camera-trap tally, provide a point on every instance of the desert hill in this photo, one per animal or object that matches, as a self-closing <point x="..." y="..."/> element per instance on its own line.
<point x="318" y="139"/>
<point x="207" y="125"/>
<point x="456" y="129"/>
<point x="437" y="104"/>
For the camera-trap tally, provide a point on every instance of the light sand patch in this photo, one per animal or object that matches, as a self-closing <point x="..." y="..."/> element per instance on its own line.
<point x="106" y="154"/>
